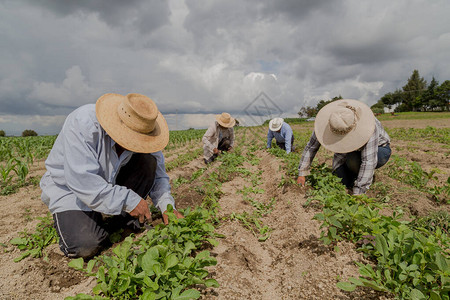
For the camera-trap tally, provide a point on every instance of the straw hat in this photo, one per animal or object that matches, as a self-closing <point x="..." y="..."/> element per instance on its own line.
<point x="345" y="125"/>
<point x="225" y="120"/>
<point x="133" y="121"/>
<point x="275" y="124"/>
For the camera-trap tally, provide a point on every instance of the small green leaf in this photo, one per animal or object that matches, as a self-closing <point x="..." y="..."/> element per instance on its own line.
<point x="188" y="294"/>
<point x="153" y="286"/>
<point x="18" y="241"/>
<point x="25" y="254"/>
<point x="77" y="263"/>
<point x="202" y="255"/>
<point x="90" y="265"/>
<point x="435" y="296"/>
<point x="441" y="262"/>
<point x="97" y="289"/>
<point x="213" y="242"/>
<point x="417" y="295"/>
<point x="148" y="295"/>
<point x="381" y="246"/>
<point x="346" y="286"/>
<point x="171" y="261"/>
<point x="211" y="283"/>
<point x="356" y="281"/>
<point x="157" y="269"/>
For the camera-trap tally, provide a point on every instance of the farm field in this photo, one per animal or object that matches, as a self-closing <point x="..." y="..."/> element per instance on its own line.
<point x="268" y="229"/>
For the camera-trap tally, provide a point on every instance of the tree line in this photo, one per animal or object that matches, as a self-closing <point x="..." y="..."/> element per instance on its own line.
<point x="26" y="132"/>
<point x="416" y="95"/>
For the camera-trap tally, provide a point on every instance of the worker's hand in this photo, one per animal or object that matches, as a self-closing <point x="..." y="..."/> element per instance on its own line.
<point x="166" y="217"/>
<point x="231" y="149"/>
<point x="141" y="211"/>
<point x="216" y="151"/>
<point x="301" y="180"/>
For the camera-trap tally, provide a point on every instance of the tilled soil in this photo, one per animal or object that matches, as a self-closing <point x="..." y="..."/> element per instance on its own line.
<point x="291" y="264"/>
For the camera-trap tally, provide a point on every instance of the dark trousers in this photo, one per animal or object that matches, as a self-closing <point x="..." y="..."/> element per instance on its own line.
<point x="85" y="233"/>
<point x="349" y="171"/>
<point x="224" y="145"/>
<point x="283" y="144"/>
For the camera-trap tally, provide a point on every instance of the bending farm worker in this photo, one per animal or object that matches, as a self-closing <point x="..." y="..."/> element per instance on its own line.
<point x="350" y="130"/>
<point x="218" y="137"/>
<point x="105" y="161"/>
<point x="282" y="133"/>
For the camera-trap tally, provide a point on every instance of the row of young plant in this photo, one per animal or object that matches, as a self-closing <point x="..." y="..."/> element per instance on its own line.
<point x="165" y="263"/>
<point x="17" y="154"/>
<point x="27" y="148"/>
<point x="439" y="135"/>
<point x="179" y="138"/>
<point x="183" y="159"/>
<point x="411" y="173"/>
<point x="169" y="261"/>
<point x="412" y="258"/>
<point x="253" y="221"/>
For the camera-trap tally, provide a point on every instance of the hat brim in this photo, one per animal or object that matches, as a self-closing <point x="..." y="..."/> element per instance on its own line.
<point x="272" y="128"/>
<point x="227" y="125"/>
<point x="351" y="141"/>
<point x="276" y="128"/>
<point x="108" y="117"/>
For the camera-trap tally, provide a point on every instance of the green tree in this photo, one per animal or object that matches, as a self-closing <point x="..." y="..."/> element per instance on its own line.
<point x="429" y="98"/>
<point x="443" y="95"/>
<point x="391" y="99"/>
<point x="413" y="90"/>
<point x="307" y="112"/>
<point x="2" y="133"/>
<point x="322" y="103"/>
<point x="29" y="132"/>
<point x="378" y="108"/>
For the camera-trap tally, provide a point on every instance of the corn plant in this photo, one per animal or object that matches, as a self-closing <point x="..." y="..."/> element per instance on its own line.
<point x="21" y="169"/>
<point x="5" y="172"/>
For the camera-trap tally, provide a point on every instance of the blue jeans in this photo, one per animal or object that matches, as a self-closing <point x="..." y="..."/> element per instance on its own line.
<point x="348" y="172"/>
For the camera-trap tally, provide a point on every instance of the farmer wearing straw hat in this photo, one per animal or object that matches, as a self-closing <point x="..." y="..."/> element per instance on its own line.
<point x="106" y="160"/>
<point x="282" y="133"/>
<point x="218" y="137"/>
<point x="350" y="130"/>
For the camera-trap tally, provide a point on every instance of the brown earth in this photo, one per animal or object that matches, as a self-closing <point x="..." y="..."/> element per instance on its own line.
<point x="291" y="264"/>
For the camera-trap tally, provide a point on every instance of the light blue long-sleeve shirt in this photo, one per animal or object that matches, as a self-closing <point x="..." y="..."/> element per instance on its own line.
<point x="284" y="136"/>
<point x="82" y="168"/>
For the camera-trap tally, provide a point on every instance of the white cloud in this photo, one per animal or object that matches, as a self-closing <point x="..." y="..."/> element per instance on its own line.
<point x="73" y="89"/>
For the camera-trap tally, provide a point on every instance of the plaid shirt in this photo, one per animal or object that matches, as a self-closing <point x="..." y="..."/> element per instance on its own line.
<point x="369" y="158"/>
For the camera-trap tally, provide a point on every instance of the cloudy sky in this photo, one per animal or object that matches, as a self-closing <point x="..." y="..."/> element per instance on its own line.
<point x="199" y="58"/>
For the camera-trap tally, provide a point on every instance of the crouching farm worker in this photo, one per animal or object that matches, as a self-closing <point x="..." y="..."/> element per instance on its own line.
<point x="106" y="160"/>
<point x="282" y="133"/>
<point x="218" y="137"/>
<point x="350" y="130"/>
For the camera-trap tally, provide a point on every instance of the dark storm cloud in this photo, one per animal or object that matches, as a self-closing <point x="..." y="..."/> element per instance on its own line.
<point x="295" y="10"/>
<point x="212" y="56"/>
<point x="146" y="15"/>
<point x="20" y="106"/>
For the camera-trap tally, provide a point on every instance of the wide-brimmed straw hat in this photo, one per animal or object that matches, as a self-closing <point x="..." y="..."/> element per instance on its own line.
<point x="345" y="125"/>
<point x="275" y="124"/>
<point x="133" y="121"/>
<point x="225" y="120"/>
